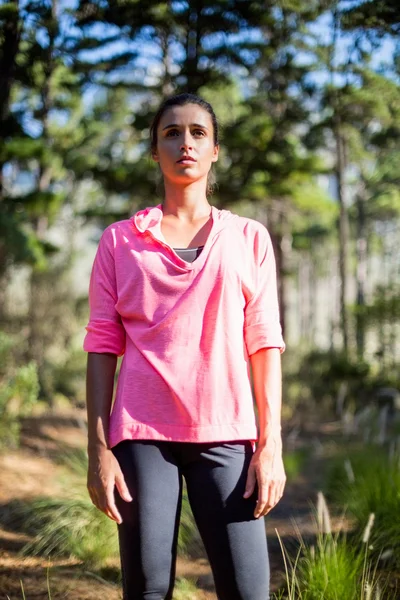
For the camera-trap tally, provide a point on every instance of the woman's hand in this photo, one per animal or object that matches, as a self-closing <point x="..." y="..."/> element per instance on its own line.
<point x="104" y="473"/>
<point x="266" y="467"/>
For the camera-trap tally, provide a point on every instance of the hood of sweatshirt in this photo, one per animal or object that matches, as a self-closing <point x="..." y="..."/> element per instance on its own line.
<point x="149" y="219"/>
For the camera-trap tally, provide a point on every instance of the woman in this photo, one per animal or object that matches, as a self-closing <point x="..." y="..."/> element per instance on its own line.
<point x="187" y="293"/>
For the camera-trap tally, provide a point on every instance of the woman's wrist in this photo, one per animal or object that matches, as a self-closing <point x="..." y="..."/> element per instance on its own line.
<point x="271" y="439"/>
<point x="97" y="446"/>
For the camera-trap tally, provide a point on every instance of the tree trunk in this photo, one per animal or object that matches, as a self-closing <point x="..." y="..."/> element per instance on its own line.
<point x="191" y="68"/>
<point x="343" y="232"/>
<point x="340" y="168"/>
<point x="361" y="275"/>
<point x="9" y="50"/>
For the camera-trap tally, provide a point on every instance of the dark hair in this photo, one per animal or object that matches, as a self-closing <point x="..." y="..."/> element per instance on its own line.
<point x="182" y="100"/>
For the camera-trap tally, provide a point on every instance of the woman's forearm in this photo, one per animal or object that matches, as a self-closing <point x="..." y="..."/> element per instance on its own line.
<point x="266" y="466"/>
<point x="267" y="381"/>
<point x="99" y="393"/>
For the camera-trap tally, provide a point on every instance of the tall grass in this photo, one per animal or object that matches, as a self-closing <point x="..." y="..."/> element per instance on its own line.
<point x="71" y="527"/>
<point x="332" y="568"/>
<point x="373" y="488"/>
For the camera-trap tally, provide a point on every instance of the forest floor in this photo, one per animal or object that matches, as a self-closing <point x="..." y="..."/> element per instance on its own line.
<point x="32" y="471"/>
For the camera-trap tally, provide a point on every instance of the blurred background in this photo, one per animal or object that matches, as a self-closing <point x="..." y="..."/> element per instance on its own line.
<point x="307" y="95"/>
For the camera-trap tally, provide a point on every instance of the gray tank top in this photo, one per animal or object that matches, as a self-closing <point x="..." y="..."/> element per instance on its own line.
<point x="189" y="254"/>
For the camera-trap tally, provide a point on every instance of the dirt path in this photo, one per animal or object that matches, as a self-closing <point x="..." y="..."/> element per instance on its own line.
<point x="33" y="470"/>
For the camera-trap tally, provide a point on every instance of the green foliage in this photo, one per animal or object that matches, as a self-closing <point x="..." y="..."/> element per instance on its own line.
<point x="8" y="10"/>
<point x="19" y="390"/>
<point x="69" y="376"/>
<point x="17" y="245"/>
<point x="385" y="305"/>
<point x="381" y="17"/>
<point x="294" y="462"/>
<point x="321" y="374"/>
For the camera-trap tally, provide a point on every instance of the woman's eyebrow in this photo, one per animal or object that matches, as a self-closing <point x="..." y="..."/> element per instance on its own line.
<point x="192" y="125"/>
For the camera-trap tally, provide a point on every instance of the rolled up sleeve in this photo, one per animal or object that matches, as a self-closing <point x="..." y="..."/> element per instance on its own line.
<point x="262" y="327"/>
<point x="105" y="331"/>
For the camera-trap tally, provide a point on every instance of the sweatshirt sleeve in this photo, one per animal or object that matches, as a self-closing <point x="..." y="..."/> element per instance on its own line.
<point x="105" y="331"/>
<point x="262" y="328"/>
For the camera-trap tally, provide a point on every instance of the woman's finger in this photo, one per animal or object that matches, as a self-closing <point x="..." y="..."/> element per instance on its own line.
<point x="278" y="492"/>
<point x="263" y="497"/>
<point x="111" y="515"/>
<point x="111" y="509"/>
<point x="94" y="496"/>
<point x="274" y="496"/>
<point x="122" y="487"/>
<point x="100" y="501"/>
<point x="250" y="481"/>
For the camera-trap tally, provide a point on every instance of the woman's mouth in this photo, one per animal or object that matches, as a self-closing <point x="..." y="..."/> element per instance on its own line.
<point x="186" y="160"/>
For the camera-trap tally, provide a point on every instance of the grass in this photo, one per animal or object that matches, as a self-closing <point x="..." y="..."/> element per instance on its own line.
<point x="69" y="527"/>
<point x="369" y="482"/>
<point x="332" y="569"/>
<point x="185" y="589"/>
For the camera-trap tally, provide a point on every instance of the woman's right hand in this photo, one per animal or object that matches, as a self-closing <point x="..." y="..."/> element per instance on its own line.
<point x="104" y="473"/>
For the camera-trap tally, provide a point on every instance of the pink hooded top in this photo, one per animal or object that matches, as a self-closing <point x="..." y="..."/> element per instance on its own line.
<point x="186" y="330"/>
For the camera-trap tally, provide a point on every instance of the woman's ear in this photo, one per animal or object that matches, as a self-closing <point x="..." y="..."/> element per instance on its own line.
<point x="154" y="154"/>
<point x="215" y="153"/>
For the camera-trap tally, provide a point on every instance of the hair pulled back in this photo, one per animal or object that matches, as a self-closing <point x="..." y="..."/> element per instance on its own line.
<point x="182" y="100"/>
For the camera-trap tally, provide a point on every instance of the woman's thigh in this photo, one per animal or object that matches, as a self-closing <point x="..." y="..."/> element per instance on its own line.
<point x="234" y="540"/>
<point x="148" y="534"/>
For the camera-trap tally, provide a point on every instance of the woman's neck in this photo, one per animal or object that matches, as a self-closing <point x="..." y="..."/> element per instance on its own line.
<point x="187" y="203"/>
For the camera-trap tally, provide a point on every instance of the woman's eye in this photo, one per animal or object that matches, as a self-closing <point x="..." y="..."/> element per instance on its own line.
<point x="175" y="132"/>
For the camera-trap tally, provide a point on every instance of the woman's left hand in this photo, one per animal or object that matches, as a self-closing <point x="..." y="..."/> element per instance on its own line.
<point x="266" y="467"/>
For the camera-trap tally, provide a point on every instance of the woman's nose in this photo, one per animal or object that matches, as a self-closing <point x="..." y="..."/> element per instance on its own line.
<point x="186" y="142"/>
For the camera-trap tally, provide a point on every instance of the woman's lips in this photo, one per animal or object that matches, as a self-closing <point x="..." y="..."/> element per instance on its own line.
<point x="186" y="160"/>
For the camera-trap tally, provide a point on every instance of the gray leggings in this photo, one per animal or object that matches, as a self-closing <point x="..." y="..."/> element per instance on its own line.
<point x="215" y="475"/>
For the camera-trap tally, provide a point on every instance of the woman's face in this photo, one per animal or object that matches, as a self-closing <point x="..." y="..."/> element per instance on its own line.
<point x="185" y="144"/>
